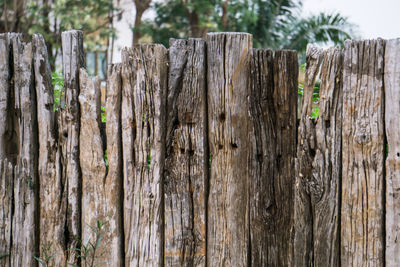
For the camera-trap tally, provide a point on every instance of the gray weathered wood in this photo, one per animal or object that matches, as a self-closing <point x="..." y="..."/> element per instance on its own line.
<point x="4" y="90"/>
<point x="69" y="128"/>
<point x="392" y="122"/>
<point x="318" y="169"/>
<point x="114" y="180"/>
<point x="363" y="155"/>
<point x="144" y="88"/>
<point x="52" y="210"/>
<point x="92" y="164"/>
<point x="303" y="241"/>
<point x="24" y="234"/>
<point x="6" y="210"/>
<point x="186" y="155"/>
<point x="228" y="68"/>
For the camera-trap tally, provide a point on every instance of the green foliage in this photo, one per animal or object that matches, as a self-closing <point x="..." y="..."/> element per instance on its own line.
<point x="315" y="96"/>
<point x="87" y="252"/>
<point x="4" y="255"/>
<point x="274" y="24"/>
<point x="59" y="92"/>
<point x="148" y="161"/>
<point x="103" y="113"/>
<point x="106" y="160"/>
<point x="46" y="255"/>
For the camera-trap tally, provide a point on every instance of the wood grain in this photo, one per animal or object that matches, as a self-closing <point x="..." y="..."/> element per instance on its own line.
<point x="392" y="122"/>
<point x="228" y="69"/>
<point x="186" y="167"/>
<point x="362" y="225"/>
<point x="69" y="129"/>
<point x="144" y="89"/>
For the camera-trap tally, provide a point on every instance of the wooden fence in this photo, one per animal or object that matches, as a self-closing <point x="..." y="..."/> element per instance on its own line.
<point x="202" y="161"/>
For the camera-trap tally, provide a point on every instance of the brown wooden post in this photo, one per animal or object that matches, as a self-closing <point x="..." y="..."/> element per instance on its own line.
<point x="52" y="208"/>
<point x="186" y="167"/>
<point x="144" y="88"/>
<point x="392" y="122"/>
<point x="24" y="233"/>
<point x="69" y="129"/>
<point x="114" y="180"/>
<point x="228" y="69"/>
<point x="318" y="168"/>
<point x="93" y="167"/>
<point x="362" y="221"/>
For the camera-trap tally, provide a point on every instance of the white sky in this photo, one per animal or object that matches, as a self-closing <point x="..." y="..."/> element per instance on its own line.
<point x="375" y="18"/>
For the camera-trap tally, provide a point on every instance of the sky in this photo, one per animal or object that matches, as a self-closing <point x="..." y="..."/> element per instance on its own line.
<point x="375" y="18"/>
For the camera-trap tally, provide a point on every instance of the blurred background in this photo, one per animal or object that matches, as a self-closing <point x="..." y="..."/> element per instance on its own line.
<point x="110" y="25"/>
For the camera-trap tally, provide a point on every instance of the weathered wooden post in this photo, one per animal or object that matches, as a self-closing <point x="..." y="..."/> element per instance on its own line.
<point x="69" y="130"/>
<point x="392" y="123"/>
<point x="362" y="218"/>
<point x="186" y="167"/>
<point x="114" y="179"/>
<point x="52" y="208"/>
<point x="144" y="88"/>
<point x="93" y="167"/>
<point x="318" y="166"/>
<point x="228" y="69"/>
<point x="24" y="234"/>
<point x="273" y="108"/>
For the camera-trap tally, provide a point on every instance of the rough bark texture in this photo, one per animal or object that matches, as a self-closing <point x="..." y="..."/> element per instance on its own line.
<point x="363" y="155"/>
<point x="318" y="168"/>
<point x="52" y="205"/>
<point x="285" y="106"/>
<point x="144" y="88"/>
<point x="228" y="69"/>
<point x="392" y="122"/>
<point x="270" y="219"/>
<point x="24" y="234"/>
<point x="114" y="180"/>
<point x="8" y="146"/>
<point x="186" y="155"/>
<point x="69" y="123"/>
<point x="6" y="211"/>
<point x="93" y="167"/>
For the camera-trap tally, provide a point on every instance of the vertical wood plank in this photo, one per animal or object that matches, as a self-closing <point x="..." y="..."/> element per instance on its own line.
<point x="363" y="154"/>
<point x="271" y="184"/>
<point x="114" y="180"/>
<point x="24" y="233"/>
<point x="69" y="128"/>
<point x="285" y="104"/>
<point x="6" y="210"/>
<point x="228" y="68"/>
<point x="92" y="165"/>
<point x="186" y="166"/>
<point x="319" y="164"/>
<point x="6" y="175"/>
<point x="52" y="208"/>
<point x="263" y="170"/>
<point x="392" y="122"/>
<point x="303" y="242"/>
<point x="8" y="146"/>
<point x="144" y="88"/>
<point x="5" y="74"/>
